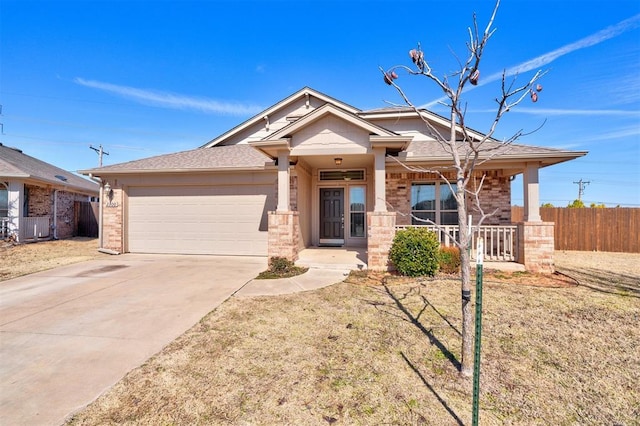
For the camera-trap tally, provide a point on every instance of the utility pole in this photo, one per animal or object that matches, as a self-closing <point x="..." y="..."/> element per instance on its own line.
<point x="581" y="185"/>
<point x="100" y="152"/>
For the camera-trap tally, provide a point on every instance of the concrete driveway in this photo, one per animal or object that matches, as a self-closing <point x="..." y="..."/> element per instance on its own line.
<point x="68" y="334"/>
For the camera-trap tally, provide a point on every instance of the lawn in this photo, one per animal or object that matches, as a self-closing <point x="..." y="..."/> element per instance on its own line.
<point x="378" y="349"/>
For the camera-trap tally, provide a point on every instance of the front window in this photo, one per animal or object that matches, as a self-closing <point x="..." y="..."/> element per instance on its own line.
<point x="357" y="210"/>
<point x="4" y="201"/>
<point x="433" y="201"/>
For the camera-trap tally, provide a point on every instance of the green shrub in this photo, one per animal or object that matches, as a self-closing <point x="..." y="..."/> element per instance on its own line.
<point x="449" y="260"/>
<point x="414" y="252"/>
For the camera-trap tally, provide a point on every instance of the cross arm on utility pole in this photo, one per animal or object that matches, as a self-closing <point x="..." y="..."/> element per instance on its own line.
<point x="581" y="186"/>
<point x="100" y="152"/>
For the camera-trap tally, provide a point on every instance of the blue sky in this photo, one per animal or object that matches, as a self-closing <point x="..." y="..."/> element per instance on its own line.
<point x="151" y="77"/>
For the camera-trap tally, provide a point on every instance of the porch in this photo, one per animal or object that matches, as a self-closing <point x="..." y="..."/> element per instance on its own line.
<point x="500" y="241"/>
<point x="355" y="258"/>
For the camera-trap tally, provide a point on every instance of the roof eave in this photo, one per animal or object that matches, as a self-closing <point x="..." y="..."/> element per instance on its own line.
<point x="98" y="172"/>
<point x="558" y="157"/>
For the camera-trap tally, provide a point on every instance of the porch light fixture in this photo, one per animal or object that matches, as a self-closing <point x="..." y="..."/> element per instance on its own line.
<point x="108" y="191"/>
<point x="338" y="161"/>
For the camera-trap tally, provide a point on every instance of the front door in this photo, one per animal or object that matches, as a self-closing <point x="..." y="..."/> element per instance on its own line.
<point x="332" y="216"/>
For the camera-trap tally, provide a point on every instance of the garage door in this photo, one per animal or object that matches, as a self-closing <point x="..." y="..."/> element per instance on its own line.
<point x="229" y="220"/>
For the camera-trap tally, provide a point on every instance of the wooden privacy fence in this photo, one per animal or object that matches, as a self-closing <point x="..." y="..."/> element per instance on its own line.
<point x="591" y="229"/>
<point x="86" y="216"/>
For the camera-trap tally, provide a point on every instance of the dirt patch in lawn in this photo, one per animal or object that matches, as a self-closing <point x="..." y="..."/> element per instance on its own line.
<point x="24" y="259"/>
<point x="378" y="349"/>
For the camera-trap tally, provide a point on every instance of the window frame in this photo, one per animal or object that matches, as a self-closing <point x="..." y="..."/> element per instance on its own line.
<point x="438" y="212"/>
<point x="362" y="212"/>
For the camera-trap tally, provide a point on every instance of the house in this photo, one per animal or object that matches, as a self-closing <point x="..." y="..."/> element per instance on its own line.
<point x="37" y="199"/>
<point x="313" y="171"/>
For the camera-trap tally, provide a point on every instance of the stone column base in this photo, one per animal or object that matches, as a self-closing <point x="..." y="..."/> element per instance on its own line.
<point x="284" y="235"/>
<point x="381" y="229"/>
<point x="536" y="246"/>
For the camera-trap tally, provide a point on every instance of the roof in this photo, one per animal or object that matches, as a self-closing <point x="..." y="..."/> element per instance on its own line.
<point x="16" y="164"/>
<point x="214" y="155"/>
<point x="435" y="151"/>
<point x="200" y="159"/>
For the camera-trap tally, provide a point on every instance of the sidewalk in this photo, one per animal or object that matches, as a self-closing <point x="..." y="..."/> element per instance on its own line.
<point x="313" y="279"/>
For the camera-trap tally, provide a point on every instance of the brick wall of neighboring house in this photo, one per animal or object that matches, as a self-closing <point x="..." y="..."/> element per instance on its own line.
<point x="495" y="194"/>
<point x="65" y="217"/>
<point x="39" y="201"/>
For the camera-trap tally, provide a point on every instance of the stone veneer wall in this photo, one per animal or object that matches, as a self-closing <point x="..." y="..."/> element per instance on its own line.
<point x="536" y="246"/>
<point x="495" y="194"/>
<point x="112" y="216"/>
<point x="284" y="235"/>
<point x="380" y="232"/>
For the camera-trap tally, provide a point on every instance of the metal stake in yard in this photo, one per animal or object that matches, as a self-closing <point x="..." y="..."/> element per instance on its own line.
<point x="476" y="363"/>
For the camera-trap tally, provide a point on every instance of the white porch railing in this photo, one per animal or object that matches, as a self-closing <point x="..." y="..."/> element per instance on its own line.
<point x="4" y="227"/>
<point x="500" y="242"/>
<point x="33" y="228"/>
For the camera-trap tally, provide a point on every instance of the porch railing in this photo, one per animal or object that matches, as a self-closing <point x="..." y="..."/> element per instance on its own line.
<point x="500" y="242"/>
<point x="4" y="227"/>
<point x="33" y="228"/>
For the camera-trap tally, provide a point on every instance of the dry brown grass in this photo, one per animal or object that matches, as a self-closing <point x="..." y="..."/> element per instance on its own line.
<point x="24" y="259"/>
<point x="384" y="350"/>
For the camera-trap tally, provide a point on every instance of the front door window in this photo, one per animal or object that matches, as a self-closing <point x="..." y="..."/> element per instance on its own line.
<point x="356" y="211"/>
<point x="332" y="216"/>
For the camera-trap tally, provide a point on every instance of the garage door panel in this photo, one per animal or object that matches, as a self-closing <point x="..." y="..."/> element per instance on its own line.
<point x="200" y="220"/>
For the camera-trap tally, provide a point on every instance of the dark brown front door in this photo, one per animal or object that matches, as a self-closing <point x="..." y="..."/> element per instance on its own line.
<point x="332" y="216"/>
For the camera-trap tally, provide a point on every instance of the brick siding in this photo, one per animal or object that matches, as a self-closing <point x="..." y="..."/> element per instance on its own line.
<point x="494" y="195"/>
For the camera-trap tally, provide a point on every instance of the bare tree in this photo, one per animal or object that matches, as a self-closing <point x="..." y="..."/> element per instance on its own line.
<point x="468" y="149"/>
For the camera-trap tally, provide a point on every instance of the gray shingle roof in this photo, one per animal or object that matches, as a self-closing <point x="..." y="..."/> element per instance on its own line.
<point x="215" y="158"/>
<point x="16" y="164"/>
<point x="435" y="150"/>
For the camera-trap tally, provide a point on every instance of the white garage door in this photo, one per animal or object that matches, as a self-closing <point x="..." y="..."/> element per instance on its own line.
<point x="229" y="220"/>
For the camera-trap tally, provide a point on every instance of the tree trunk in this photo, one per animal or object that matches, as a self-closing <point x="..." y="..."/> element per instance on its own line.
<point x="466" y="362"/>
<point x="466" y="367"/>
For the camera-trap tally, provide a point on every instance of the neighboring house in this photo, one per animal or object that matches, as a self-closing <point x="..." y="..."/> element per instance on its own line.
<point x="37" y="198"/>
<point x="312" y="171"/>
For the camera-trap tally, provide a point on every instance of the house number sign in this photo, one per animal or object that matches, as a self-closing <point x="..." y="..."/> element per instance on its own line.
<point x="112" y="204"/>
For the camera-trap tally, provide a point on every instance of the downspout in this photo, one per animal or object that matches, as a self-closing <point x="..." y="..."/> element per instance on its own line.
<point x="99" y="182"/>
<point x="55" y="214"/>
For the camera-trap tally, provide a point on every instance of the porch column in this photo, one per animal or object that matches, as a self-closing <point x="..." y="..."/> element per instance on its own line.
<point x="379" y="180"/>
<point x="531" y="193"/>
<point x="535" y="237"/>
<point x="15" y="194"/>
<point x="283" y="181"/>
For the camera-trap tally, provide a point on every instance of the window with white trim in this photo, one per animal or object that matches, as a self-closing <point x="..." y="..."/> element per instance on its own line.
<point x="433" y="201"/>
<point x="4" y="201"/>
<point x="357" y="211"/>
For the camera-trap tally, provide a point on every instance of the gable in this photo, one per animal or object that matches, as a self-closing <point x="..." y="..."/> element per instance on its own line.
<point x="330" y="134"/>
<point x="280" y="115"/>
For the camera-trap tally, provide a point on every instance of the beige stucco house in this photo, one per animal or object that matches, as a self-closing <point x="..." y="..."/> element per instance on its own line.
<point x="312" y="171"/>
<point x="37" y="199"/>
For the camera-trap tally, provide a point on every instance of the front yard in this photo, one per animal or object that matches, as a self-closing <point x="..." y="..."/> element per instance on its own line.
<point x="378" y="349"/>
